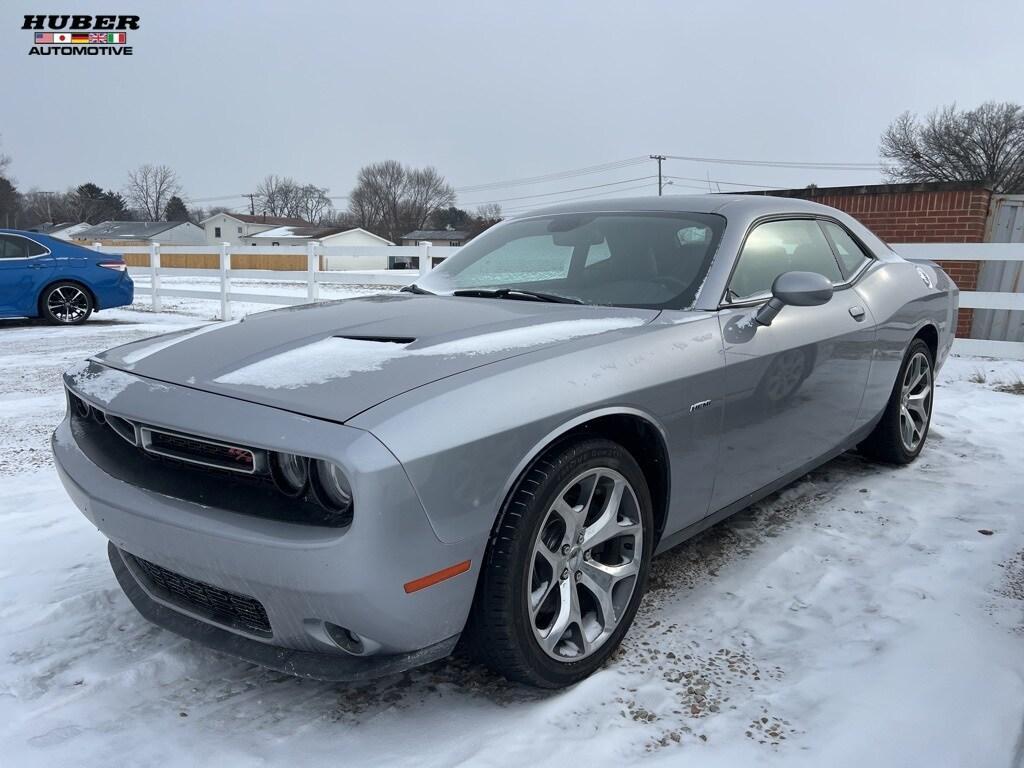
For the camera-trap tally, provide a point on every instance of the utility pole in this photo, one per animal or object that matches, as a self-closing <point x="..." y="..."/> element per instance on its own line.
<point x="659" y="158"/>
<point x="252" y="205"/>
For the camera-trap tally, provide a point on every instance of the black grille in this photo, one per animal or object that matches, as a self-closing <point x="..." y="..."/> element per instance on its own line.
<point x="205" y="452"/>
<point x="219" y="605"/>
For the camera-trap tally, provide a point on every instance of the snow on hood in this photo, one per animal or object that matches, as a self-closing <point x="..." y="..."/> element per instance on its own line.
<point x="170" y="339"/>
<point x="336" y="357"/>
<point x="103" y="384"/>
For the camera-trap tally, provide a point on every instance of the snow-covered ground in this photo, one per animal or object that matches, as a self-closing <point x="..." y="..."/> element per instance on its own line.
<point x="865" y="616"/>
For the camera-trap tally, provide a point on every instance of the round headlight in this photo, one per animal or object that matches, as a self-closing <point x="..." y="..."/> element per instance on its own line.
<point x="290" y="472"/>
<point x="331" y="487"/>
<point x="81" y="407"/>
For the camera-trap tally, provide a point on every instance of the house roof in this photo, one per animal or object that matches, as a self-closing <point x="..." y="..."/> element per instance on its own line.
<point x="128" y="230"/>
<point x="365" y="232"/>
<point x="310" y="233"/>
<point x="307" y="232"/>
<point x="436" y="234"/>
<point x="874" y="189"/>
<point x="68" y="228"/>
<point x="276" y="221"/>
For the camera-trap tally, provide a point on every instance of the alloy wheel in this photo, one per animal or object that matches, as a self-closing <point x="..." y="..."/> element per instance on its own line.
<point x="915" y="401"/>
<point x="67" y="304"/>
<point x="585" y="564"/>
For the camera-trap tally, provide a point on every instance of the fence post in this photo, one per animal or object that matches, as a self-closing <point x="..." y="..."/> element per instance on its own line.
<point x="225" y="281"/>
<point x="312" y="267"/>
<point x="154" y="275"/>
<point x="425" y="259"/>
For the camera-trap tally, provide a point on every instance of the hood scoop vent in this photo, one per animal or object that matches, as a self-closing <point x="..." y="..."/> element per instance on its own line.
<point x="380" y="339"/>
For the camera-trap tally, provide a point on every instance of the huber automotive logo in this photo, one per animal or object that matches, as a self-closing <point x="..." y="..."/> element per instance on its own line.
<point x="73" y="35"/>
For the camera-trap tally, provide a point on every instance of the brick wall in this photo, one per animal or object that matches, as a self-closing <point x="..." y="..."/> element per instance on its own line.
<point x="917" y="213"/>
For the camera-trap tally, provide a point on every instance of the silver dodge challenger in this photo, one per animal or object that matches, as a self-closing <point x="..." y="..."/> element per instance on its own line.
<point x="493" y="456"/>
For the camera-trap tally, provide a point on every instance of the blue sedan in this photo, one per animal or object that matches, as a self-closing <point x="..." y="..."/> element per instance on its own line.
<point x="63" y="283"/>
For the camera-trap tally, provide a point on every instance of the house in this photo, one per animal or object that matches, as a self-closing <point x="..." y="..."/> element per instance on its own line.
<point x="65" y="230"/>
<point x="446" y="237"/>
<point x="329" y="236"/>
<point x="231" y="228"/>
<point x="142" y="233"/>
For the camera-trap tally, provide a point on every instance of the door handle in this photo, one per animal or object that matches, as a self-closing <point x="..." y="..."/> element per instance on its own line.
<point x="857" y="312"/>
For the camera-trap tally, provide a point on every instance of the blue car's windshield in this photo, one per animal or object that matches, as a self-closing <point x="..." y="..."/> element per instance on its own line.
<point x="650" y="260"/>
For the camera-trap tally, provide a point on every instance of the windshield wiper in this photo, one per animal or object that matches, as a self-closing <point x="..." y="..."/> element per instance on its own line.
<point x="515" y="293"/>
<point x="413" y="288"/>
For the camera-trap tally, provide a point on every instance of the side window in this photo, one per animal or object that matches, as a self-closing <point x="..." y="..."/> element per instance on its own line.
<point x="35" y="249"/>
<point x="13" y="247"/>
<point x="216" y="231"/>
<point x="851" y="256"/>
<point x="775" y="247"/>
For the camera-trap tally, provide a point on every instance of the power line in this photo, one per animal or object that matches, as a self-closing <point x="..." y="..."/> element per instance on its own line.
<point x="528" y="206"/>
<point x="560" y="192"/>
<point x="831" y="166"/>
<point x="719" y="181"/>
<point x="557" y="176"/>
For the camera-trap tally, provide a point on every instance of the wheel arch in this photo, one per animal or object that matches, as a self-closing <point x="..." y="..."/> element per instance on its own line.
<point x="930" y="335"/>
<point x="56" y="281"/>
<point x="636" y="431"/>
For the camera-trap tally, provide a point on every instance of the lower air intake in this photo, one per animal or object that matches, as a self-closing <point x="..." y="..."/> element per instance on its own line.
<point x="216" y="604"/>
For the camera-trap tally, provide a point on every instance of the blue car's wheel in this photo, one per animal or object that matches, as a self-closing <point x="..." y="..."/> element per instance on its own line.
<point x="65" y="303"/>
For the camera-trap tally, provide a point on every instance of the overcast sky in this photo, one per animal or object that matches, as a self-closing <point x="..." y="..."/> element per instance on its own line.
<point x="227" y="92"/>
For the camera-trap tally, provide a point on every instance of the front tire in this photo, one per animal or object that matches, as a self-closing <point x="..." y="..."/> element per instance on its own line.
<point x="566" y="567"/>
<point x="900" y="435"/>
<point x="65" y="303"/>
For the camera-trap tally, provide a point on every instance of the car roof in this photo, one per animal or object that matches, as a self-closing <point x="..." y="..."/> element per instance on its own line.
<point x="742" y="205"/>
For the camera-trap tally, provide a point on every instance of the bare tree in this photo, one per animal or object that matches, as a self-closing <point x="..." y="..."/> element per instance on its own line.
<point x="274" y="195"/>
<point x="150" y="188"/>
<point x="312" y="204"/>
<point x="389" y="199"/>
<point x="983" y="145"/>
<point x="489" y="212"/>
<point x="5" y="160"/>
<point x="41" y="207"/>
<point x="283" y="196"/>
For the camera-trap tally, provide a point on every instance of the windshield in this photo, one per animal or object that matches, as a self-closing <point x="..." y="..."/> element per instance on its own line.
<point x="648" y="260"/>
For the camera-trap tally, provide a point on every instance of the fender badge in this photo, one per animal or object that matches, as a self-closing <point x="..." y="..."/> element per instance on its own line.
<point x="698" y="406"/>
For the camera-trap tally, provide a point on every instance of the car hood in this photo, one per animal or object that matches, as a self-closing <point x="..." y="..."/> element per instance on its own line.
<point x="336" y="359"/>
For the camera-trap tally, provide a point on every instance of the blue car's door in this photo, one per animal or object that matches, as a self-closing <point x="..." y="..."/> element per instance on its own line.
<point x="25" y="266"/>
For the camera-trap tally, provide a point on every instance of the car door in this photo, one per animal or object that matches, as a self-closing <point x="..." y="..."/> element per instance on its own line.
<point x="792" y="389"/>
<point x="24" y="267"/>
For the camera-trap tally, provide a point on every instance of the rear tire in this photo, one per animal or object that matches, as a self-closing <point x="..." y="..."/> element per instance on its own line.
<point x="65" y="303"/>
<point x="899" y="437"/>
<point x="566" y="567"/>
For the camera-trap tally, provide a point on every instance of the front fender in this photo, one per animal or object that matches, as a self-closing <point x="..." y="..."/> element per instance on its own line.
<point x="466" y="439"/>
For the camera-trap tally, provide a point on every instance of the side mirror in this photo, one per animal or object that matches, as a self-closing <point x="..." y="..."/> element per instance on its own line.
<point x="799" y="289"/>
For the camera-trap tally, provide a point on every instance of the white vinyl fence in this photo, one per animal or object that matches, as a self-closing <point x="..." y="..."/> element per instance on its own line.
<point x="352" y="256"/>
<point x="984" y="252"/>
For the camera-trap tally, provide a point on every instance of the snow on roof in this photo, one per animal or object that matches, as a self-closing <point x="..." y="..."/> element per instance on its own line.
<point x="436" y="234"/>
<point x="127" y="230"/>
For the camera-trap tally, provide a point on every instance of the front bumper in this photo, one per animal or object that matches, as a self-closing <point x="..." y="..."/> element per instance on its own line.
<point x="311" y="664"/>
<point x="302" y="575"/>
